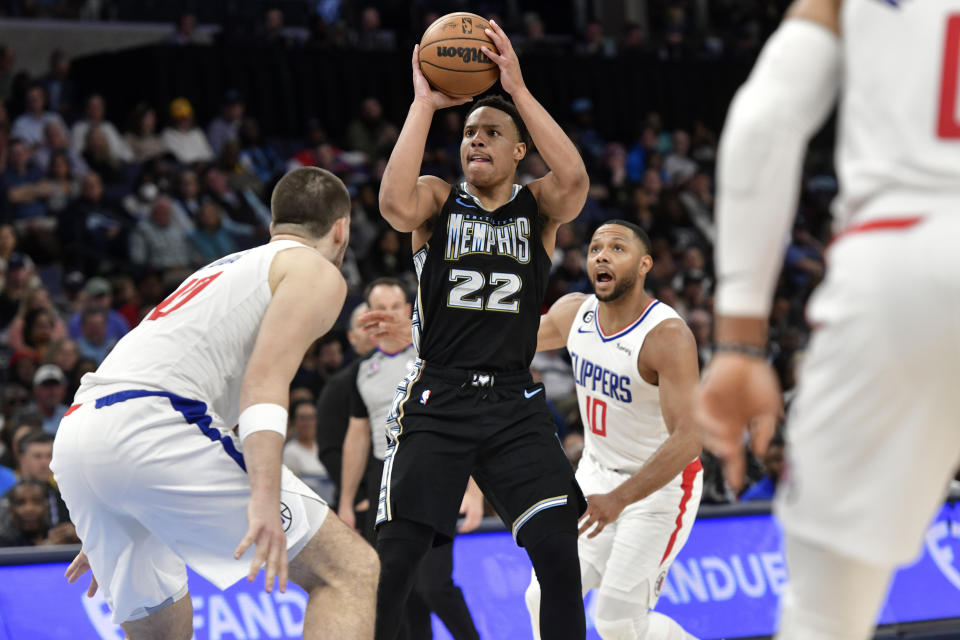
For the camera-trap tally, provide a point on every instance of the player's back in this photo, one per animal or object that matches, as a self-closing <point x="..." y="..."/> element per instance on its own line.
<point x="196" y="343"/>
<point x="899" y="126"/>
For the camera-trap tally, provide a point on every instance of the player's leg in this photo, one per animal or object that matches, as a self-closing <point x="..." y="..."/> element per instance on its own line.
<point x="401" y="546"/>
<point x="143" y="581"/>
<point x="437" y="589"/>
<point x="649" y="535"/>
<point x="338" y="570"/>
<point x="833" y="597"/>
<point x="526" y="476"/>
<point x="877" y="393"/>
<point x="593" y="552"/>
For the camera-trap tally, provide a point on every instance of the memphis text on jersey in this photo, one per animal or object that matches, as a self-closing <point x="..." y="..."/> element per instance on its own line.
<point x="599" y="379"/>
<point x="476" y="234"/>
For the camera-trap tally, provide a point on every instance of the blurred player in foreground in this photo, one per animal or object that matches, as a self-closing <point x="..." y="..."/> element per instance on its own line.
<point x="147" y="459"/>
<point x="872" y="436"/>
<point x="635" y="365"/>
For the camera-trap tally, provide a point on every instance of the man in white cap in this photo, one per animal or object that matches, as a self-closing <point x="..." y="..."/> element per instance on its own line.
<point x="49" y="387"/>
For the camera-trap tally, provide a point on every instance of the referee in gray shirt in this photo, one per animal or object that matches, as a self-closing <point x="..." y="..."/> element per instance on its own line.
<point x="376" y="384"/>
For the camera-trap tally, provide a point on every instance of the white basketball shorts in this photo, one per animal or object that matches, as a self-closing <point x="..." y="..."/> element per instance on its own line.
<point x="153" y="482"/>
<point x="873" y="436"/>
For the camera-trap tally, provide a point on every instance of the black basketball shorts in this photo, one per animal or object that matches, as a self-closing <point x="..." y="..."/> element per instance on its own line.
<point x="448" y="424"/>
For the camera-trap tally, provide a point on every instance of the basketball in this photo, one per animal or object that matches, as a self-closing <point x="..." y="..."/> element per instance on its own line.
<point x="450" y="55"/>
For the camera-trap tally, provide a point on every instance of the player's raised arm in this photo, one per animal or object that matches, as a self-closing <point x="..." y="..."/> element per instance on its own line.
<point x="407" y="200"/>
<point x="562" y="192"/>
<point x="308" y="292"/>
<point x="671" y="351"/>
<point x="556" y="322"/>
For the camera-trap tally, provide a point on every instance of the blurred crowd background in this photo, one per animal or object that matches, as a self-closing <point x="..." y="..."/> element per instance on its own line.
<point x="105" y="207"/>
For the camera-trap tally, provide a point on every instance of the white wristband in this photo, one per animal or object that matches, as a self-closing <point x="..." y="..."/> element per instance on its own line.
<point x="263" y="417"/>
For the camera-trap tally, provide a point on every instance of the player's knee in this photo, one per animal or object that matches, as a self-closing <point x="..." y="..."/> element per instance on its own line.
<point x="619" y="619"/>
<point x="622" y="628"/>
<point x="366" y="565"/>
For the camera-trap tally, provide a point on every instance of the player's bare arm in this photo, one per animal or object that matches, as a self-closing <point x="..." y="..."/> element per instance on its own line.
<point x="669" y="358"/>
<point x="786" y="99"/>
<point x="407" y="199"/>
<point x="356" y="448"/>
<point x="308" y="292"/>
<point x="556" y="322"/>
<point x="562" y="192"/>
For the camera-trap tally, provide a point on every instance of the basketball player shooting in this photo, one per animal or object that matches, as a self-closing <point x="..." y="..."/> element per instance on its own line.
<point x="635" y="367"/>
<point x="482" y="252"/>
<point x="147" y="459"/>
<point x="877" y="389"/>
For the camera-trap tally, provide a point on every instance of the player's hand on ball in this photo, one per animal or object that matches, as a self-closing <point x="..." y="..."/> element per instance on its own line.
<point x="602" y="509"/>
<point x="423" y="91"/>
<point x="737" y="392"/>
<point x="510" y="77"/>
<point x="77" y="568"/>
<point x="265" y="530"/>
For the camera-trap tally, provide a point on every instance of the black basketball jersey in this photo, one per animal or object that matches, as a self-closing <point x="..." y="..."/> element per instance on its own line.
<point x="483" y="275"/>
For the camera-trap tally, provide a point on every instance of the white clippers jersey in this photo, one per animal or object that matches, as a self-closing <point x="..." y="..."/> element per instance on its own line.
<point x="899" y="127"/>
<point x="197" y="342"/>
<point x="622" y="421"/>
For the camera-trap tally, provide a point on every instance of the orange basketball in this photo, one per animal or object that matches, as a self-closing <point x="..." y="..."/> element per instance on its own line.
<point x="450" y="55"/>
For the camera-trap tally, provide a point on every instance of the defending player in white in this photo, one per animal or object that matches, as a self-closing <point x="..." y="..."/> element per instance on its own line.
<point x="872" y="436"/>
<point x="635" y="366"/>
<point x="147" y="460"/>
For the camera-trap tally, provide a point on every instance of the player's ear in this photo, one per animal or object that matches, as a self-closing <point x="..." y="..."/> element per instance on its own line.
<point x="340" y="229"/>
<point x="646" y="264"/>
<point x="519" y="151"/>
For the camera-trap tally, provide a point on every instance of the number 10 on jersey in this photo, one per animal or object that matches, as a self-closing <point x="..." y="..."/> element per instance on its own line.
<point x="596" y="413"/>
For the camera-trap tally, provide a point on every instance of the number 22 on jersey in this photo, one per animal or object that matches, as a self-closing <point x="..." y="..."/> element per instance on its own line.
<point x="181" y="296"/>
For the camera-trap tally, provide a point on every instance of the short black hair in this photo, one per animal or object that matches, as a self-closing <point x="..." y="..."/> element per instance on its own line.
<point x="311" y="198"/>
<point x="499" y="102"/>
<point x="33" y="437"/>
<point x="637" y="231"/>
<point x="386" y="281"/>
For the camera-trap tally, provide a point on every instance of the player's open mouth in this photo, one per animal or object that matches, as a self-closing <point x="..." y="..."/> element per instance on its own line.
<point x="603" y="276"/>
<point x="478" y="158"/>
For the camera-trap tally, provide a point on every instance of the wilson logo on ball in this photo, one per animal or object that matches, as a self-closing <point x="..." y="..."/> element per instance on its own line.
<point x="467" y="54"/>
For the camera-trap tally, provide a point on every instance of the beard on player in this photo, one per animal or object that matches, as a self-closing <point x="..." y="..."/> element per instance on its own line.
<point x="622" y="284"/>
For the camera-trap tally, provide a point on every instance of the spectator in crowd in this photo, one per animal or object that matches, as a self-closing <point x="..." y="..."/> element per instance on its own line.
<point x="243" y="208"/>
<point x="370" y="132"/>
<point x="256" y="156"/>
<point x="226" y="126"/>
<point x="679" y="166"/>
<point x="184" y="140"/>
<point x="35" y="450"/>
<point x="97" y="293"/>
<point x="94" y="343"/>
<point x="595" y="43"/>
<point x="100" y="158"/>
<point x="22" y="367"/>
<point x="55" y="141"/>
<point x="95" y="118"/>
<point x="29" y="126"/>
<point x="13" y="399"/>
<point x="25" y="329"/>
<point x="64" y="186"/>
<point x="370" y="37"/>
<point x="157" y="243"/>
<point x="183" y="29"/>
<point x="765" y="487"/>
<point x="7" y="59"/>
<point x="26" y="522"/>
<point x="141" y="134"/>
<point x="210" y="240"/>
<point x="573" y="447"/>
<point x="59" y="86"/>
<point x="8" y="244"/>
<point x="302" y="454"/>
<point x="389" y="258"/>
<point x="24" y="184"/>
<point x="63" y="353"/>
<point x="49" y="391"/>
<point x="319" y="363"/>
<point x="271" y="31"/>
<point x="93" y="231"/>
<point x="701" y="324"/>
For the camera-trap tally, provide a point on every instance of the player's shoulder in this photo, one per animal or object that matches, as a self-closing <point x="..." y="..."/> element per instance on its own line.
<point x="305" y="266"/>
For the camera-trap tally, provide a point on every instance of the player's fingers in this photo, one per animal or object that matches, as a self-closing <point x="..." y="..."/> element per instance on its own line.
<point x="762" y="429"/>
<point x="734" y="471"/>
<point x="77" y="568"/>
<point x="416" y="58"/>
<point x="92" y="589"/>
<point x="586" y="523"/>
<point x="496" y="57"/>
<point x="259" y="558"/>
<point x="596" y="531"/>
<point x="283" y="568"/>
<point x="243" y="546"/>
<point x="272" y="566"/>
